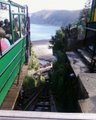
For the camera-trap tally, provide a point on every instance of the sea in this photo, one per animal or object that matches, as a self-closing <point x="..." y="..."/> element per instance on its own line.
<point x="42" y="32"/>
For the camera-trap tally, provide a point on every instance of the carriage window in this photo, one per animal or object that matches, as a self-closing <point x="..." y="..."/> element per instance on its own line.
<point x="16" y="27"/>
<point x="4" y="11"/>
<point x="22" y="10"/>
<point x="22" y="22"/>
<point x="14" y="9"/>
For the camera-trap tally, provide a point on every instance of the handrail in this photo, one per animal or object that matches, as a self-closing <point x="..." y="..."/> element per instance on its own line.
<point x="7" y="3"/>
<point x="92" y="29"/>
<point x="14" y="115"/>
<point x="16" y="4"/>
<point x="18" y="13"/>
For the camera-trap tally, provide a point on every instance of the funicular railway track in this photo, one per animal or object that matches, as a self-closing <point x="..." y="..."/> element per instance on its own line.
<point x="41" y="100"/>
<point x="33" y="97"/>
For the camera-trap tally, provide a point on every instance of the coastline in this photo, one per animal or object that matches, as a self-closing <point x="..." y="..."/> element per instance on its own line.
<point x="39" y="42"/>
<point x="42" y="50"/>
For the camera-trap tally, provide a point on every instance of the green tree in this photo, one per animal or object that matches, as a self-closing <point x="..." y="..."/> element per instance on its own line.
<point x="57" y="41"/>
<point x="85" y="13"/>
<point x="61" y="81"/>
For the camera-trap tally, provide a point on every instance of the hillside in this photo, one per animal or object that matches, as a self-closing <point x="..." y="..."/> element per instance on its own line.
<point x="54" y="17"/>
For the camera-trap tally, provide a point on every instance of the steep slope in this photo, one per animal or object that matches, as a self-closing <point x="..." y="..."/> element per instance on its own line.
<point x="55" y="17"/>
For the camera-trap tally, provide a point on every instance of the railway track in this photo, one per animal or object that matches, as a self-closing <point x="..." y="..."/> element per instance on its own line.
<point x="33" y="98"/>
<point x="38" y="99"/>
<point x="41" y="101"/>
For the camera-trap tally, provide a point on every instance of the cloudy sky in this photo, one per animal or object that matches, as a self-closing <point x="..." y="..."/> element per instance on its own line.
<point x="36" y="5"/>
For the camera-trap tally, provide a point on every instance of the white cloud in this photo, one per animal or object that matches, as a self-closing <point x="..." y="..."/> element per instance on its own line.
<point x="35" y="5"/>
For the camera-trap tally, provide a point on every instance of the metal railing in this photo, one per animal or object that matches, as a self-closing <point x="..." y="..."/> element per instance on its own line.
<point x="21" y="115"/>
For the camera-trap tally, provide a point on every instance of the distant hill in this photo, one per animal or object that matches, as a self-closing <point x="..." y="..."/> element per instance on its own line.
<point x="54" y="17"/>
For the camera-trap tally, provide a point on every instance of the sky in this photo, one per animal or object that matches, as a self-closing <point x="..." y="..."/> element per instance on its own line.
<point x="36" y="5"/>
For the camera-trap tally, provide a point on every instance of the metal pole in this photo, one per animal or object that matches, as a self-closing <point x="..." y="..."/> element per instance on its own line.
<point x="93" y="7"/>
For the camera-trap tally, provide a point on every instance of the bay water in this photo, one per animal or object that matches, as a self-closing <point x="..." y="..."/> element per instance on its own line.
<point x="42" y="32"/>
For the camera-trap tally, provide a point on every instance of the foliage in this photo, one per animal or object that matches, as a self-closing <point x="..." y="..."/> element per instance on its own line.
<point x="33" y="61"/>
<point x="29" y="84"/>
<point x="42" y="78"/>
<point x="57" y="41"/>
<point x="59" y="66"/>
<point x="60" y="79"/>
<point x="85" y="13"/>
